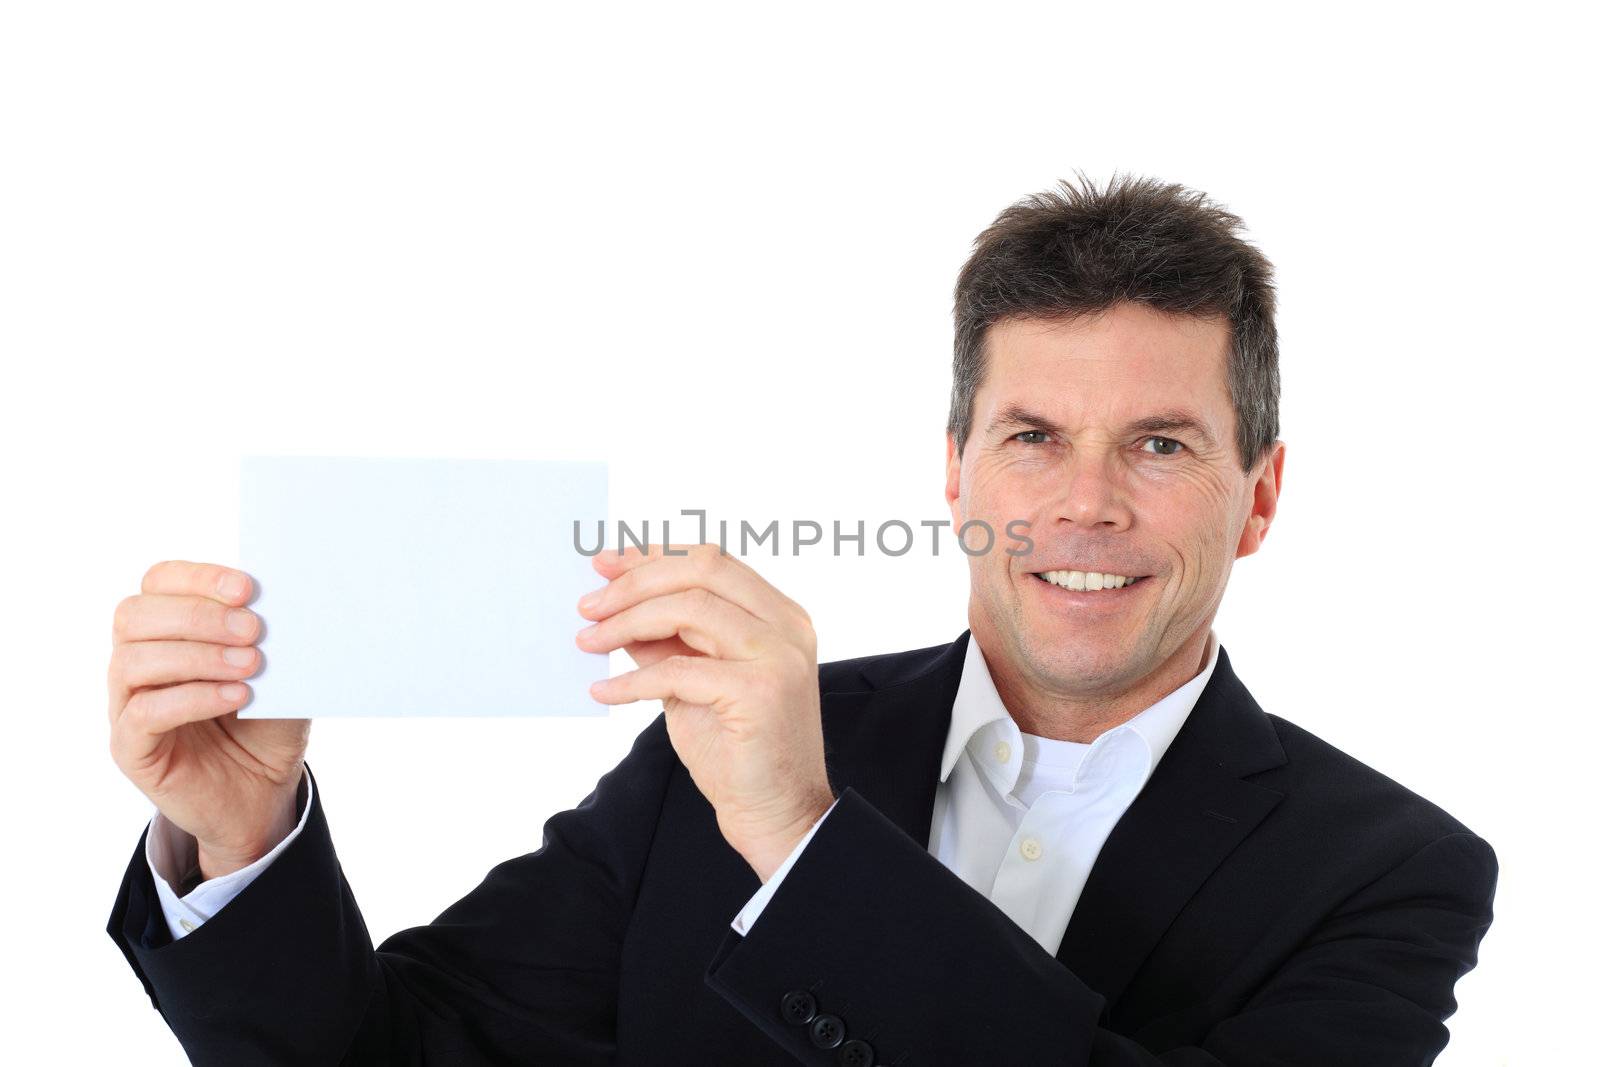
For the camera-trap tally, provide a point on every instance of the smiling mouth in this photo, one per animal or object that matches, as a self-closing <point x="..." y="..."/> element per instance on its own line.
<point x="1087" y="581"/>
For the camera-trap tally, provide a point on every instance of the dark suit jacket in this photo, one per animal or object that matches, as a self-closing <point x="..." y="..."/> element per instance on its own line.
<point x="1266" y="899"/>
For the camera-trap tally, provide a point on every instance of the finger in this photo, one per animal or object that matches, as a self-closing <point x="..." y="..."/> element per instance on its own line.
<point x="157" y="617"/>
<point x="694" y="679"/>
<point x="141" y="664"/>
<point x="612" y="561"/>
<point x="645" y="653"/>
<point x="179" y="577"/>
<point x="637" y="577"/>
<point x="153" y="712"/>
<point x="704" y="621"/>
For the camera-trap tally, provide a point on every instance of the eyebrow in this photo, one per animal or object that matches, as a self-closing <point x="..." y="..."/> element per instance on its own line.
<point x="1170" y="420"/>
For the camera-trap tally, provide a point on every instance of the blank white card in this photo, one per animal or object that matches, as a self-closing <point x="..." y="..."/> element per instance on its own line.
<point x="444" y="587"/>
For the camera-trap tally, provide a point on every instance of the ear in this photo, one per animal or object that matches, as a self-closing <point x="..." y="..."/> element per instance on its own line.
<point x="1264" y="501"/>
<point x="952" y="480"/>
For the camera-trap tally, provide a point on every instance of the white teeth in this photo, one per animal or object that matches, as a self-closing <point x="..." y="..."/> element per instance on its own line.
<point x="1086" y="580"/>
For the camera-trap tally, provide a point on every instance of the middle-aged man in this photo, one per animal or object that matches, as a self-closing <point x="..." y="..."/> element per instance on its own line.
<point x="1069" y="836"/>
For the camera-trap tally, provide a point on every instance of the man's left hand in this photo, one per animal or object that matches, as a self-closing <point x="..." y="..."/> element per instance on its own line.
<point x="734" y="663"/>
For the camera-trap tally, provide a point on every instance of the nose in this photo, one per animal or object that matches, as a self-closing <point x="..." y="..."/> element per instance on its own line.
<point x="1092" y="496"/>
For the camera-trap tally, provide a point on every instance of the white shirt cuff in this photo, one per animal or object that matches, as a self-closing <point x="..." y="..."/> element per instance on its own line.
<point x="172" y="854"/>
<point x="752" y="910"/>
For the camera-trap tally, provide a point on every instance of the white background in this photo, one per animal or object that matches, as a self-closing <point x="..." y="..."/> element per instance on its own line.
<point x="715" y="246"/>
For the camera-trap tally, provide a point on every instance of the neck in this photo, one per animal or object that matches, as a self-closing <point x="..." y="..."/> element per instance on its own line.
<point x="1074" y="716"/>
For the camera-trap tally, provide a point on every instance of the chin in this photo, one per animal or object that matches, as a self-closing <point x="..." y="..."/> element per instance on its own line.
<point x="1076" y="660"/>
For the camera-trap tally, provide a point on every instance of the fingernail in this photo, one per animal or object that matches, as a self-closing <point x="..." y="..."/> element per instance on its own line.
<point x="231" y="691"/>
<point x="239" y="657"/>
<point x="589" y="600"/>
<point x="240" y="622"/>
<point x="230" y="585"/>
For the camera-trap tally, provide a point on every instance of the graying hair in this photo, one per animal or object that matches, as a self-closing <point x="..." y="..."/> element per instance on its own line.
<point x="1077" y="250"/>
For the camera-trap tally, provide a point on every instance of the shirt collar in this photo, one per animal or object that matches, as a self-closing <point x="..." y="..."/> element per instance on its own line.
<point x="978" y="704"/>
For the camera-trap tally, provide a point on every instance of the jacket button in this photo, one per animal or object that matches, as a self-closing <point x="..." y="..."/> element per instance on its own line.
<point x="827" y="1031"/>
<point x="855" y="1053"/>
<point x="799" y="1007"/>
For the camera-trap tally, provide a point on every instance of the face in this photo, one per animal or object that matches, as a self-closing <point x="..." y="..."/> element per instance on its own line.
<point x="1113" y="438"/>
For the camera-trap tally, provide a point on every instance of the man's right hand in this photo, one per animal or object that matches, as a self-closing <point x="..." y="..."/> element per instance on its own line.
<point x="175" y="732"/>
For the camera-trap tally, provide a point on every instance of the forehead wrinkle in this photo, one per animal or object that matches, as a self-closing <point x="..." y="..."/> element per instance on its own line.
<point x="1119" y="368"/>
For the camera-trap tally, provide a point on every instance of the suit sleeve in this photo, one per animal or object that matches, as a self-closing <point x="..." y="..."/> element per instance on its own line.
<point x="757" y="903"/>
<point x="171" y="853"/>
<point x="522" y="969"/>
<point x="898" y="952"/>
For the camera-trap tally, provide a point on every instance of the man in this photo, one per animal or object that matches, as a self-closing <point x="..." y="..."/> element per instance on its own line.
<point x="1069" y="836"/>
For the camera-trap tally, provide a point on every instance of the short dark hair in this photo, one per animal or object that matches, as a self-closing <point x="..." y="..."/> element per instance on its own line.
<point x="1077" y="250"/>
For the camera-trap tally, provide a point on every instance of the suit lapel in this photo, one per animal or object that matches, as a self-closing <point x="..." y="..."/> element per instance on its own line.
<point x="886" y="741"/>
<point x="1195" y="809"/>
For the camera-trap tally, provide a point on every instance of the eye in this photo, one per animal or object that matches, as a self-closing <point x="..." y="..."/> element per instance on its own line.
<point x="1025" y="435"/>
<point x="1161" y="451"/>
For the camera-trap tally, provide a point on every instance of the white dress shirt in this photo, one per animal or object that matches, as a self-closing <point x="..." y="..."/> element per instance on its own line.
<point x="1018" y="817"/>
<point x="1021" y="818"/>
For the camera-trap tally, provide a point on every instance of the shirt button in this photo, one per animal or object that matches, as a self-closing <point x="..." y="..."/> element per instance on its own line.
<point x="188" y="926"/>
<point x="1031" y="849"/>
<point x="1002" y="752"/>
